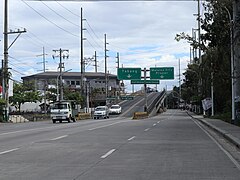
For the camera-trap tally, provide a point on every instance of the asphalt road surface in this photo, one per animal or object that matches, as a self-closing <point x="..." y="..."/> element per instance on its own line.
<point x="171" y="146"/>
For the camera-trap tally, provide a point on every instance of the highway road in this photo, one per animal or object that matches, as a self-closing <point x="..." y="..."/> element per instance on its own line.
<point x="171" y="146"/>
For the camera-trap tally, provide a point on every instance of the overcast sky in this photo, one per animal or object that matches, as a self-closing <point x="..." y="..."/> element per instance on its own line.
<point x="142" y="32"/>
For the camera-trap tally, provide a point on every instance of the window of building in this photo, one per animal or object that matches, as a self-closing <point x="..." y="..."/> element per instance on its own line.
<point x="72" y="82"/>
<point x="77" y="82"/>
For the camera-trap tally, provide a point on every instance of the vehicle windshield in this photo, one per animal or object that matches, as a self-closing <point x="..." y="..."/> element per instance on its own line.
<point x="100" y="109"/>
<point x="115" y="107"/>
<point x="59" y="106"/>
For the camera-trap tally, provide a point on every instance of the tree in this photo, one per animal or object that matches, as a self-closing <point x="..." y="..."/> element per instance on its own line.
<point x="215" y="44"/>
<point x="73" y="95"/>
<point x="22" y="94"/>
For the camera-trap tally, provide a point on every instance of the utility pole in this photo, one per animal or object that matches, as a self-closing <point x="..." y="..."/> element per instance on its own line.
<point x="179" y="71"/>
<point x="5" y="68"/>
<point x="105" y="56"/>
<point x="236" y="59"/>
<point x="82" y="59"/>
<point x="117" y="61"/>
<point x="212" y="90"/>
<point x="118" y="65"/>
<point x="199" y="34"/>
<point x="44" y="59"/>
<point x="95" y="60"/>
<point x="61" y="67"/>
<point x="5" y="61"/>
<point x="45" y="81"/>
<point x="194" y="50"/>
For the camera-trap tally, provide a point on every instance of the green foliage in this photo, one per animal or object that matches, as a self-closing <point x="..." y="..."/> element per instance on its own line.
<point x="2" y="102"/>
<point x="75" y="96"/>
<point x="51" y="94"/>
<point x="23" y="93"/>
<point x="215" y="43"/>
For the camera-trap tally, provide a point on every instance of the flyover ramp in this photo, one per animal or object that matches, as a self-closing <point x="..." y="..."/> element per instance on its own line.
<point x="129" y="107"/>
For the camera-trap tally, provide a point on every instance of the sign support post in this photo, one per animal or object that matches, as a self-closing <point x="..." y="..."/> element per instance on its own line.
<point x="145" y="89"/>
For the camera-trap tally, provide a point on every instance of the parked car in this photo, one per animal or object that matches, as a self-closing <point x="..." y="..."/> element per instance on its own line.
<point x="115" y="109"/>
<point x="101" y="112"/>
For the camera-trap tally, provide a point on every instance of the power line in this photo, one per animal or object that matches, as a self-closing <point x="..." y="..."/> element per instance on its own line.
<point x="94" y="32"/>
<point x="49" y="20"/>
<point x="66" y="8"/>
<point x="59" y="14"/>
<point x="26" y="64"/>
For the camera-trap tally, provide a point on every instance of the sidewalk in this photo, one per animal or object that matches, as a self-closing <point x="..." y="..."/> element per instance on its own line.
<point x="228" y="131"/>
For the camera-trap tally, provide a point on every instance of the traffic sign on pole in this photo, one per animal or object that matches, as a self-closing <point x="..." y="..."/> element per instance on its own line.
<point x="144" y="81"/>
<point x="162" y="73"/>
<point x="129" y="73"/>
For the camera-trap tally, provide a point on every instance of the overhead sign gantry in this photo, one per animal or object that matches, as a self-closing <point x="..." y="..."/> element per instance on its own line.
<point x="156" y="74"/>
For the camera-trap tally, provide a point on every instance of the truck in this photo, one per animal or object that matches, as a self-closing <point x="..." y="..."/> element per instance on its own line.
<point x="63" y="111"/>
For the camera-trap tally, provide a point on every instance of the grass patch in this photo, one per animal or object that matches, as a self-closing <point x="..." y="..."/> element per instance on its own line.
<point x="227" y="117"/>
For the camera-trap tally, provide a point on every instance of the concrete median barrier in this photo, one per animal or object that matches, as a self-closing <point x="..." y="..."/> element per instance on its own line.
<point x="17" y="119"/>
<point x="82" y="116"/>
<point x="140" y="115"/>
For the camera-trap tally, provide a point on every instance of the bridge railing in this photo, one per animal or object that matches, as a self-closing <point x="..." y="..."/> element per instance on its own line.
<point x="156" y="102"/>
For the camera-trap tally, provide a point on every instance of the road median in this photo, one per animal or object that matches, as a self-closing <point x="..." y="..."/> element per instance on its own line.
<point x="82" y="116"/>
<point x="140" y="115"/>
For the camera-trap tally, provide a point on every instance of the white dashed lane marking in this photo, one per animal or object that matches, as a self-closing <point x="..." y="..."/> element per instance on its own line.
<point x="108" y="153"/>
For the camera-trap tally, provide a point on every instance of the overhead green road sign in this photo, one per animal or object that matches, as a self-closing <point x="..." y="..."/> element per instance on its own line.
<point x="144" y="81"/>
<point x="129" y="73"/>
<point x="162" y="73"/>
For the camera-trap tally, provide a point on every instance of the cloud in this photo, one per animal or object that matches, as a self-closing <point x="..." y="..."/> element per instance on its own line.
<point x="142" y="32"/>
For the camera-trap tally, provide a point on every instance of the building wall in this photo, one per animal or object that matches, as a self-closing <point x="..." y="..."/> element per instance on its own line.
<point x="95" y="86"/>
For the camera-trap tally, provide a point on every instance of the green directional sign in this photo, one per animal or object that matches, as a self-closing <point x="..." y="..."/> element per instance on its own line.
<point x="111" y="98"/>
<point x="126" y="97"/>
<point x="129" y="73"/>
<point x="162" y="73"/>
<point x="144" y="81"/>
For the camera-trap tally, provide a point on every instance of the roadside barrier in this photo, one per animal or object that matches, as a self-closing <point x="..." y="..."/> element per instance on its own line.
<point x="140" y="115"/>
<point x="81" y="116"/>
<point x="17" y="119"/>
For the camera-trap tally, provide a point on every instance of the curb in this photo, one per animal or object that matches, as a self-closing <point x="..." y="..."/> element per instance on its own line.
<point x="224" y="133"/>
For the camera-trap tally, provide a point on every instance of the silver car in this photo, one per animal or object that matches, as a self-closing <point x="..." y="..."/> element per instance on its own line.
<point x="101" y="112"/>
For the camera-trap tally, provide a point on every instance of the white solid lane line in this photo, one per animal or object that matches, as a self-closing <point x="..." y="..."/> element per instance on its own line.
<point x="60" y="137"/>
<point x="235" y="162"/>
<point x="108" y="153"/>
<point x="131" y="138"/>
<point x="8" y="151"/>
<point x="154" y="124"/>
